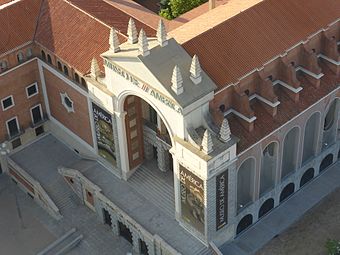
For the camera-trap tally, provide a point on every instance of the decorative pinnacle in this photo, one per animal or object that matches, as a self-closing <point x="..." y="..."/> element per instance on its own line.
<point x="207" y="143"/>
<point x="225" y="131"/>
<point x="177" y="81"/>
<point x="195" y="70"/>
<point x="143" y="43"/>
<point x="95" y="71"/>
<point x="132" y="32"/>
<point x="161" y="34"/>
<point x="114" y="41"/>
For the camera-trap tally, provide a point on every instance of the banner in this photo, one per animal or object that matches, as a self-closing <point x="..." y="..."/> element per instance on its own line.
<point x="221" y="200"/>
<point x="192" y="199"/>
<point x="104" y="134"/>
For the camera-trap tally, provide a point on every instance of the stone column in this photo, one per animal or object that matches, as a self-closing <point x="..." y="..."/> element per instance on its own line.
<point x="162" y="158"/>
<point x="123" y="150"/>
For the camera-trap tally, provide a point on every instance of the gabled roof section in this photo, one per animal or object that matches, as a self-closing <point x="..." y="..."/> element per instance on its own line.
<point x="250" y="39"/>
<point x="111" y="15"/>
<point x="18" y="21"/>
<point x="72" y="35"/>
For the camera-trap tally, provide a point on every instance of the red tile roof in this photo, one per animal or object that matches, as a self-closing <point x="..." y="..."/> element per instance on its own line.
<point x="18" y="23"/>
<point x="71" y="34"/>
<point x="253" y="37"/>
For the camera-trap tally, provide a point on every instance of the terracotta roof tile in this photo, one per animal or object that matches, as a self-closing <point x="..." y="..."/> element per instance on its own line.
<point x="253" y="37"/>
<point x="72" y="35"/>
<point x="18" y="22"/>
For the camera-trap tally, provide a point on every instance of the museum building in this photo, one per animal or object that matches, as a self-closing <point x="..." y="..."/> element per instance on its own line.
<point x="235" y="113"/>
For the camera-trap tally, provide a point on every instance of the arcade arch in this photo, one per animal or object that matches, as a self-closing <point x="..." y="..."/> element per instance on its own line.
<point x="330" y="124"/>
<point x="268" y="168"/>
<point x="290" y="150"/>
<point x="310" y="137"/>
<point x="245" y="183"/>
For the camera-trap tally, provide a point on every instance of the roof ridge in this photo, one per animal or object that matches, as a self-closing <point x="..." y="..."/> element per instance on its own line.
<point x="38" y="19"/>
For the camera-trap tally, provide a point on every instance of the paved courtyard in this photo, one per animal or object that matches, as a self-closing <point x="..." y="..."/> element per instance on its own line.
<point x="308" y="235"/>
<point x="20" y="232"/>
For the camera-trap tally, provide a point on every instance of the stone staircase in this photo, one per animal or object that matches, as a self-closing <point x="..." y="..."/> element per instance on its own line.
<point x="64" y="244"/>
<point x="155" y="186"/>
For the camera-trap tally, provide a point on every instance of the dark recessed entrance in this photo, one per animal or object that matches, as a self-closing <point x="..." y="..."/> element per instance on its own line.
<point x="107" y="217"/>
<point x="307" y="176"/>
<point x="143" y="248"/>
<point x="266" y="207"/>
<point x="287" y="191"/>
<point x="125" y="232"/>
<point x="244" y="223"/>
<point x="326" y="162"/>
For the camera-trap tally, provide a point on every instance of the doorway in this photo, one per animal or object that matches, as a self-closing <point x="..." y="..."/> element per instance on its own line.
<point x="107" y="217"/>
<point x="125" y="232"/>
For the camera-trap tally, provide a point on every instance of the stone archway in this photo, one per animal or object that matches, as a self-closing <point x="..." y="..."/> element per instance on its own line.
<point x="307" y="177"/>
<point x="326" y="162"/>
<point x="244" y="223"/>
<point x="266" y="207"/>
<point x="268" y="168"/>
<point x="310" y="137"/>
<point x="290" y="150"/>
<point x="245" y="183"/>
<point x="287" y="192"/>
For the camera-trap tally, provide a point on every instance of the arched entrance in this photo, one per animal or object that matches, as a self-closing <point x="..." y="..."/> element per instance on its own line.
<point x="326" y="162"/>
<point x="307" y="176"/>
<point x="266" y="207"/>
<point x="244" y="223"/>
<point x="287" y="192"/>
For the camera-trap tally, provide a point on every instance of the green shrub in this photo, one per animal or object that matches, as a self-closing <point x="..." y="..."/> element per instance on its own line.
<point x="333" y="247"/>
<point x="173" y="8"/>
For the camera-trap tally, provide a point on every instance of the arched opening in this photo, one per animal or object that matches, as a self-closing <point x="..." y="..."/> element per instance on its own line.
<point x="49" y="60"/>
<point x="326" y="162"/>
<point x="244" y="223"/>
<point x="76" y="77"/>
<point x="287" y="192"/>
<point x="268" y="168"/>
<point x="329" y="126"/>
<point x="310" y="137"/>
<point x="60" y="68"/>
<point x="83" y="83"/>
<point x="66" y="70"/>
<point x="20" y="57"/>
<point x="266" y="207"/>
<point x="307" y="177"/>
<point x="245" y="183"/>
<point x="290" y="149"/>
<point x="43" y="55"/>
<point x="125" y="232"/>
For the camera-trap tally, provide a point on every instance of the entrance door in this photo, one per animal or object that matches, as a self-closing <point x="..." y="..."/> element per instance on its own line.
<point x="107" y="217"/>
<point x="125" y="232"/>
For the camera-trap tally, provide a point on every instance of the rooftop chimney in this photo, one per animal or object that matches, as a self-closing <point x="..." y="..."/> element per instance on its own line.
<point x="177" y="81"/>
<point x="161" y="34"/>
<point x="132" y="32"/>
<point x="114" y="41"/>
<point x="143" y="43"/>
<point x="212" y="4"/>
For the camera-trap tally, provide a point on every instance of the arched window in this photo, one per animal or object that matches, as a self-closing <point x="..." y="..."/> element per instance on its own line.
<point x="65" y="70"/>
<point x="83" y="82"/>
<point x="245" y="183"/>
<point x="3" y="65"/>
<point x="310" y="137"/>
<point x="329" y="118"/>
<point x="287" y="192"/>
<point x="329" y="127"/>
<point x="20" y="57"/>
<point x="29" y="53"/>
<point x="244" y="223"/>
<point x="307" y="176"/>
<point x="266" y="207"/>
<point x="268" y="168"/>
<point x="60" y="68"/>
<point x="43" y="55"/>
<point x="326" y="162"/>
<point x="76" y="77"/>
<point x="290" y="149"/>
<point x="49" y="60"/>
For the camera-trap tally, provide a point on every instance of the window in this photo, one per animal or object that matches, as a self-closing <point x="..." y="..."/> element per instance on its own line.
<point x="60" y="68"/>
<point x="32" y="90"/>
<point x="67" y="102"/>
<point x="49" y="60"/>
<point x="83" y="82"/>
<point x="13" y="127"/>
<point x="20" y="57"/>
<point x="65" y="70"/>
<point x="36" y="114"/>
<point x="7" y="103"/>
<point x="76" y="77"/>
<point x="29" y="53"/>
<point x="43" y="55"/>
<point x="3" y="65"/>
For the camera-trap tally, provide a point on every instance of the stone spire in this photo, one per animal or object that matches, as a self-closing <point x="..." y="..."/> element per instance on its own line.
<point x="177" y="81"/>
<point x="95" y="71"/>
<point x="114" y="41"/>
<point x="161" y="34"/>
<point x="132" y="32"/>
<point x="195" y="70"/>
<point x="207" y="143"/>
<point x="143" y="45"/>
<point x="225" y="131"/>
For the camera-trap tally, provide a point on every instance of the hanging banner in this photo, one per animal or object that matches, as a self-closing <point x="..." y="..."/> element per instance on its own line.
<point x="221" y="200"/>
<point x="104" y="134"/>
<point x="192" y="199"/>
